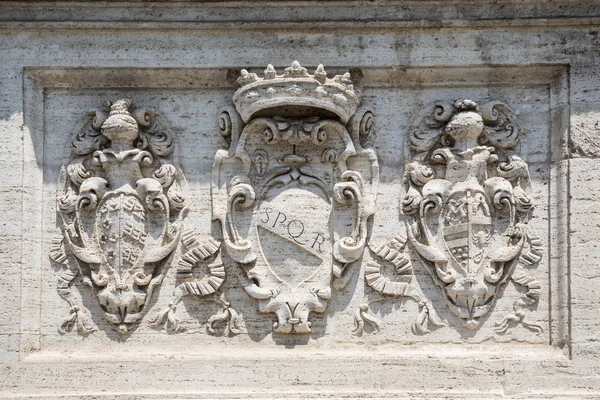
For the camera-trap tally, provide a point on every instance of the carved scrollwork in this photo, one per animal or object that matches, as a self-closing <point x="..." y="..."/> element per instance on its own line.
<point x="502" y="130"/>
<point x="230" y="126"/>
<point x="89" y="138"/>
<point x="279" y="208"/>
<point x="468" y="209"/>
<point x="350" y="191"/>
<point x="121" y="213"/>
<point x="362" y="127"/>
<point x="241" y="196"/>
<point x="154" y="135"/>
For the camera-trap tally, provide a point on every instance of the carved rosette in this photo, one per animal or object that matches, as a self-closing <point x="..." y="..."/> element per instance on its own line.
<point x="294" y="188"/>
<point x="468" y="209"/>
<point x="120" y="214"/>
<point x="201" y="273"/>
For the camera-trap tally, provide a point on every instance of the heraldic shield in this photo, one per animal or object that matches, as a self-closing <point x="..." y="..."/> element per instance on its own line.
<point x="120" y="214"/>
<point x="294" y="188"/>
<point x="466" y="194"/>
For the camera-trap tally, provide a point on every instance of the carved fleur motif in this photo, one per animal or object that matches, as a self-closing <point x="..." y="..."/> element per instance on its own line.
<point x="120" y="214"/>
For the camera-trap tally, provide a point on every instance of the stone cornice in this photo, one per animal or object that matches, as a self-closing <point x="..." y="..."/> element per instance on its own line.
<point x="277" y="15"/>
<point x="224" y="26"/>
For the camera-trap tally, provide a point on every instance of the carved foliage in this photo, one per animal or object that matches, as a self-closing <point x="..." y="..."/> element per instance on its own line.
<point x="120" y="213"/>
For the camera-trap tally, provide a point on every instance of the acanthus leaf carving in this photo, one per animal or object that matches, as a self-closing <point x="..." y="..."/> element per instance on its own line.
<point x="121" y="214"/>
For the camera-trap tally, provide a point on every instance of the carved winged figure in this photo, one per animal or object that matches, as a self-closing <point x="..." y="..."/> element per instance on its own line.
<point x="120" y="214"/>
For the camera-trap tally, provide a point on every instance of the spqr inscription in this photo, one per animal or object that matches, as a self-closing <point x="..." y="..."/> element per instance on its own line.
<point x="293" y="229"/>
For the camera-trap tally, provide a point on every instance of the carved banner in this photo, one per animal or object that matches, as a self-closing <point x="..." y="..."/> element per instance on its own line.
<point x="120" y="214"/>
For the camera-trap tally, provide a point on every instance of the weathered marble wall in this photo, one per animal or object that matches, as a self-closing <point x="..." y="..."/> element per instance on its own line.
<point x="414" y="218"/>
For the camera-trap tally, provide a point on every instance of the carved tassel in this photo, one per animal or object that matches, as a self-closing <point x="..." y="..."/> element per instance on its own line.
<point x="362" y="316"/>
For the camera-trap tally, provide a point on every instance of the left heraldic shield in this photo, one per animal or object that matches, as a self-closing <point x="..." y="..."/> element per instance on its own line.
<point x="120" y="213"/>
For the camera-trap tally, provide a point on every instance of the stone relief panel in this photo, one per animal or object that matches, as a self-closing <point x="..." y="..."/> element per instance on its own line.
<point x="294" y="188"/>
<point x="467" y="209"/>
<point x="120" y="213"/>
<point x="309" y="243"/>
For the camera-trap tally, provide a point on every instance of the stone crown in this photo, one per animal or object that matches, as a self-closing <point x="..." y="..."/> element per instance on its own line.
<point x="296" y="87"/>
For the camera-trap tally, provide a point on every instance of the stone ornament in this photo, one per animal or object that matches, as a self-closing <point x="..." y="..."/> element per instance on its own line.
<point x="394" y="253"/>
<point x="120" y="213"/>
<point x="294" y="187"/>
<point x="467" y="208"/>
<point x="204" y="256"/>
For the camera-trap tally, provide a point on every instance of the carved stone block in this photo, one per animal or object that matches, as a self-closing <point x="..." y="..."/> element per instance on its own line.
<point x="450" y="254"/>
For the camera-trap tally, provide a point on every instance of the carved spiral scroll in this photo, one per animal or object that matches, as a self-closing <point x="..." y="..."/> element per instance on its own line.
<point x="502" y="130"/>
<point x="351" y="191"/>
<point x="225" y="128"/>
<point x="366" y="130"/>
<point x="442" y="111"/>
<point x="241" y="196"/>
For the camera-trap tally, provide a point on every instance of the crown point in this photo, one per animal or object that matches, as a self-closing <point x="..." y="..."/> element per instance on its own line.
<point x="246" y="77"/>
<point x="320" y="92"/>
<point x="295" y="87"/>
<point x="320" y="74"/>
<point x="270" y="72"/>
<point x="465" y="105"/>
<point x="296" y="70"/>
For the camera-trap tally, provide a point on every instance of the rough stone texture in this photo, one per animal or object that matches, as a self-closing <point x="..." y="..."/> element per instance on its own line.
<point x="62" y="59"/>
